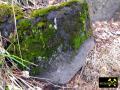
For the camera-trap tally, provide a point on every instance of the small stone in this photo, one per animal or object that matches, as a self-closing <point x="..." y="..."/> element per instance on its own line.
<point x="13" y="87"/>
<point x="38" y="88"/>
<point x="2" y="50"/>
<point x="25" y="74"/>
<point x="76" y="86"/>
<point x="118" y="33"/>
<point x="103" y="70"/>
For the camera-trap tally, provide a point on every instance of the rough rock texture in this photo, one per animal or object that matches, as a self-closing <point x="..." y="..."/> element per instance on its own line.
<point x="63" y="68"/>
<point x="102" y="9"/>
<point x="116" y="16"/>
<point x="49" y="30"/>
<point x="6" y="20"/>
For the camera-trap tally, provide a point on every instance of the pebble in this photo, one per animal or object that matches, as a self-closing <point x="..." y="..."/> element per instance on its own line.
<point x="118" y="33"/>
<point x="25" y="74"/>
<point x="103" y="70"/>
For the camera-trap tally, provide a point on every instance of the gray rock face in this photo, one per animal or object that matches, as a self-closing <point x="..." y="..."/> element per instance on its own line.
<point x="102" y="9"/>
<point x="116" y="16"/>
<point x="64" y="67"/>
<point x="6" y="28"/>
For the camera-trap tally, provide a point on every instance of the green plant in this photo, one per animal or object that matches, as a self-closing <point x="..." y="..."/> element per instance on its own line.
<point x="14" y="58"/>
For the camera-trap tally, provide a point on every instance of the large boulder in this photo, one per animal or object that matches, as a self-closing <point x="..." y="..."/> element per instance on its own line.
<point x="51" y="38"/>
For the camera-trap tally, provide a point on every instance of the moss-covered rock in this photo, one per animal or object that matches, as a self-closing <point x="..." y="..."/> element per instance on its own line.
<point x="7" y="12"/>
<point x="7" y="20"/>
<point x="67" y="24"/>
<point x="44" y="11"/>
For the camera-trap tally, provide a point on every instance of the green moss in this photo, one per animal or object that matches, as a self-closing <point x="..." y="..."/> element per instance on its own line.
<point x="44" y="11"/>
<point x="7" y="88"/>
<point x="24" y="24"/>
<point x="34" y="41"/>
<point x="78" y="40"/>
<point x="70" y="2"/>
<point x="7" y="12"/>
<point x="41" y="24"/>
<point x="18" y="12"/>
<point x="37" y="70"/>
<point x="82" y="34"/>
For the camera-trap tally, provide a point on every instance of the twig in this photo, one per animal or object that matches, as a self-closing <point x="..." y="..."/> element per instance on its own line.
<point x="48" y="81"/>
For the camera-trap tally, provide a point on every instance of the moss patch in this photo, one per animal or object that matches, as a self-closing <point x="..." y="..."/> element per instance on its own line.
<point x="44" y="11"/>
<point x="7" y="12"/>
<point x="24" y="24"/>
<point x="82" y="34"/>
<point x="34" y="41"/>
